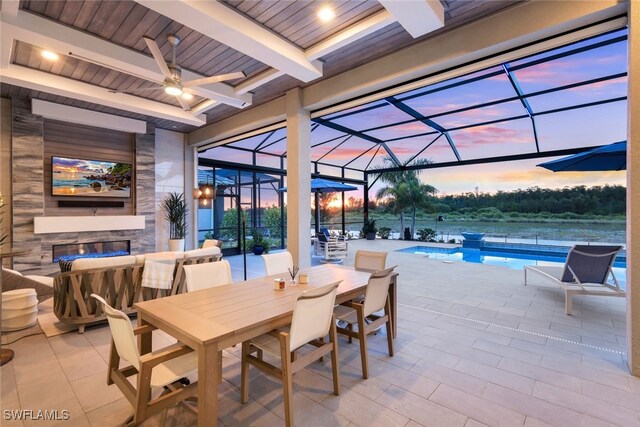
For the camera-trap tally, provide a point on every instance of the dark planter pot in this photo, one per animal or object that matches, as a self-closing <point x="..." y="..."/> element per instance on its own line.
<point x="371" y="236"/>
<point x="258" y="250"/>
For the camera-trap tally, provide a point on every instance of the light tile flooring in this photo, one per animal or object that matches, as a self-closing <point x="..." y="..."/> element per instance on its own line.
<point x="475" y="347"/>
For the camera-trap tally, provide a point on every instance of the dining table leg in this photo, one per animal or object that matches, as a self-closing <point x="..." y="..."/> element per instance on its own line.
<point x="209" y="372"/>
<point x="145" y="343"/>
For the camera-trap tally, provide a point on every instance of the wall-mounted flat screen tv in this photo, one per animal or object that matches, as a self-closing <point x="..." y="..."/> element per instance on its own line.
<point x="90" y="178"/>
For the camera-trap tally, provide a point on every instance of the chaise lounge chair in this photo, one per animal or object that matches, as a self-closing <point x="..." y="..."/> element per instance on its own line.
<point x="585" y="272"/>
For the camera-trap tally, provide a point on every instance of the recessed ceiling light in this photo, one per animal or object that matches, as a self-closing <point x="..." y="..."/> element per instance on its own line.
<point x="326" y="14"/>
<point x="51" y="56"/>
<point x="187" y="96"/>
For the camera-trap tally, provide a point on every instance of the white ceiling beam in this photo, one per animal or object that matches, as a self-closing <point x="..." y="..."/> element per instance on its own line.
<point x="221" y="23"/>
<point x="258" y="80"/>
<point x="418" y="17"/>
<point x="340" y="40"/>
<point x="47" y="34"/>
<point x="10" y="7"/>
<point x="6" y="44"/>
<point x="350" y="35"/>
<point x="203" y="107"/>
<point x="45" y="82"/>
<point x="66" y="113"/>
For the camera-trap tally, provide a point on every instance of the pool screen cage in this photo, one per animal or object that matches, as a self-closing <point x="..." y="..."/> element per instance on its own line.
<point x="555" y="102"/>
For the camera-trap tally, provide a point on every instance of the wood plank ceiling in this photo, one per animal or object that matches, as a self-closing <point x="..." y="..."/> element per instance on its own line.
<point x="125" y="22"/>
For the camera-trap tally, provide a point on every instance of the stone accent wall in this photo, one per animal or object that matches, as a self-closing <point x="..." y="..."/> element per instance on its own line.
<point x="27" y="174"/>
<point x="146" y="187"/>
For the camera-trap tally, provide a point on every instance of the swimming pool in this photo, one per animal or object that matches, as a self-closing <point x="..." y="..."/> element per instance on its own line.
<point x="515" y="258"/>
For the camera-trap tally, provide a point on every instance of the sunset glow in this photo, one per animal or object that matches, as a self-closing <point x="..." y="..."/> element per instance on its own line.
<point x="572" y="97"/>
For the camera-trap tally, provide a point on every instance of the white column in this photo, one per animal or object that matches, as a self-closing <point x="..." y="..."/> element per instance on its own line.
<point x="633" y="192"/>
<point x="191" y="182"/>
<point x="298" y="179"/>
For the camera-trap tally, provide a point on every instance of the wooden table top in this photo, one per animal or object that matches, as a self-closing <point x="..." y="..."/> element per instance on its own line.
<point x="222" y="312"/>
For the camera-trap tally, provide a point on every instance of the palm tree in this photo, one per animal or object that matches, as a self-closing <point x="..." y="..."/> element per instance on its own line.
<point x="403" y="190"/>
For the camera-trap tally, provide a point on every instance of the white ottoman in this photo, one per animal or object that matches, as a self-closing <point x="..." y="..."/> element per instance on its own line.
<point x="19" y="309"/>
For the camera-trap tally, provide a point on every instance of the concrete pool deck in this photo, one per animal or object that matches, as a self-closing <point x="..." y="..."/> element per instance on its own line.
<point x="475" y="347"/>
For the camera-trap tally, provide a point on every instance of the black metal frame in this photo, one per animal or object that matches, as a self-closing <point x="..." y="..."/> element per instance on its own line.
<point x="435" y="130"/>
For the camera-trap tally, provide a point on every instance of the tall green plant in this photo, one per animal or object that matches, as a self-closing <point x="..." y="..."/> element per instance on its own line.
<point x="175" y="211"/>
<point x="403" y="190"/>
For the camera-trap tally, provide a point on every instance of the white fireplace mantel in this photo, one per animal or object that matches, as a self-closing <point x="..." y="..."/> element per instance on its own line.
<point x="82" y="224"/>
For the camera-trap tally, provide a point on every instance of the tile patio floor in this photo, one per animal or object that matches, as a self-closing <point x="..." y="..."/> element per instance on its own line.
<point x="475" y="347"/>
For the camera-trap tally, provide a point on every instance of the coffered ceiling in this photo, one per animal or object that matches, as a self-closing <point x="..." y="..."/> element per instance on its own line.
<point x="277" y="44"/>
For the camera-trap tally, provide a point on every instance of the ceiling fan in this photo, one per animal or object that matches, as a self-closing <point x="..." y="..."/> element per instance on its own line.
<point x="173" y="83"/>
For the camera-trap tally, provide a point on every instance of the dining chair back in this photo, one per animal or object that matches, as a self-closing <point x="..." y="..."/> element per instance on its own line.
<point x="370" y="260"/>
<point x="312" y="315"/>
<point x="207" y="275"/>
<point x="122" y="333"/>
<point x="312" y="320"/>
<point x="375" y="296"/>
<point x="277" y="263"/>
<point x="366" y="315"/>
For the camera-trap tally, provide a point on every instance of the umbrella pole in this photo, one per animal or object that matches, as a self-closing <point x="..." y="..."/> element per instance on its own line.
<point x="317" y="202"/>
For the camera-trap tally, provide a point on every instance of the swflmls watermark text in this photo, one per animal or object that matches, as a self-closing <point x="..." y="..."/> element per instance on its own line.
<point x="36" y="414"/>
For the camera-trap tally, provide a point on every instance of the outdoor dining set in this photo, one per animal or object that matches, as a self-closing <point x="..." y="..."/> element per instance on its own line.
<point x="295" y="325"/>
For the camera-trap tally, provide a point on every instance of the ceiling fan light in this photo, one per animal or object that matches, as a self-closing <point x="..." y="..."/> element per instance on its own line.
<point x="187" y="96"/>
<point x="173" y="90"/>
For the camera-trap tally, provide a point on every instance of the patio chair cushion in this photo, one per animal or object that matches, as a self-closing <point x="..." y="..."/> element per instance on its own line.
<point x="174" y="369"/>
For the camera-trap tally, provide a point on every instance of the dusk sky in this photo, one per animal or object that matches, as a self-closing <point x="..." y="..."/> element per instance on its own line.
<point x="598" y="89"/>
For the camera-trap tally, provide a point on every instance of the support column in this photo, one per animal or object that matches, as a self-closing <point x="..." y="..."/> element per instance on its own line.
<point x="298" y="179"/>
<point x="633" y="192"/>
<point x="145" y="179"/>
<point x="27" y="174"/>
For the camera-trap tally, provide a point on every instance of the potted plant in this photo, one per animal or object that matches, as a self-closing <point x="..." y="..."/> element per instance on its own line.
<point x="384" y="232"/>
<point x="369" y="229"/>
<point x="175" y="211"/>
<point x="259" y="244"/>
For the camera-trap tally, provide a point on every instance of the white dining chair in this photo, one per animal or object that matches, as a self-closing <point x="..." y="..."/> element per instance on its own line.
<point x="165" y="369"/>
<point x="207" y="275"/>
<point x="364" y="316"/>
<point x="370" y="260"/>
<point x="312" y="320"/>
<point x="278" y="263"/>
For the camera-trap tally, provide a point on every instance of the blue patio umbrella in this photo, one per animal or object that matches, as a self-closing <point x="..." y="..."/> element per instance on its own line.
<point x="320" y="185"/>
<point x="612" y="157"/>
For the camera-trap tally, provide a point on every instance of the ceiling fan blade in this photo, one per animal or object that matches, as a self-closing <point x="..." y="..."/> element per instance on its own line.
<point x="213" y="79"/>
<point x="140" y="89"/>
<point x="157" y="55"/>
<point x="185" y="105"/>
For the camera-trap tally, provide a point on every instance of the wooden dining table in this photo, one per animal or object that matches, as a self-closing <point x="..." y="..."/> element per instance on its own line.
<point x="213" y="319"/>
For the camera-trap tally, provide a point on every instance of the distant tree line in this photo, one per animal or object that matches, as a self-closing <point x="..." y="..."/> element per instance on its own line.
<point x="597" y="200"/>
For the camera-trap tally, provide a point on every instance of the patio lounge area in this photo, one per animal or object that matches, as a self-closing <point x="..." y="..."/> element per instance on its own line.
<point x="474" y="347"/>
<point x="213" y="213"/>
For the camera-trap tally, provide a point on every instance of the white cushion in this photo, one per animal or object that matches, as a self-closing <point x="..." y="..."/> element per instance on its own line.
<point x="209" y="243"/>
<point x="87" y="263"/>
<point x="213" y="250"/>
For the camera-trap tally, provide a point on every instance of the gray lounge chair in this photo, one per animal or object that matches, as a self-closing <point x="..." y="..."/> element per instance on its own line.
<point x="585" y="272"/>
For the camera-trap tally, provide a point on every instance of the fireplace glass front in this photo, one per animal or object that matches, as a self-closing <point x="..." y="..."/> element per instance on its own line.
<point x="91" y="250"/>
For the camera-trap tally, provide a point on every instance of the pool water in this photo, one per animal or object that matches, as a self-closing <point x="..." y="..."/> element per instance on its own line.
<point x="515" y="259"/>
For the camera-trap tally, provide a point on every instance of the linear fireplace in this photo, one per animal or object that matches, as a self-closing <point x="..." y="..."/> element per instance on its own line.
<point x="91" y="250"/>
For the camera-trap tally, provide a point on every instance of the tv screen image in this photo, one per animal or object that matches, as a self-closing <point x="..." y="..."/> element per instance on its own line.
<point x="94" y="178"/>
